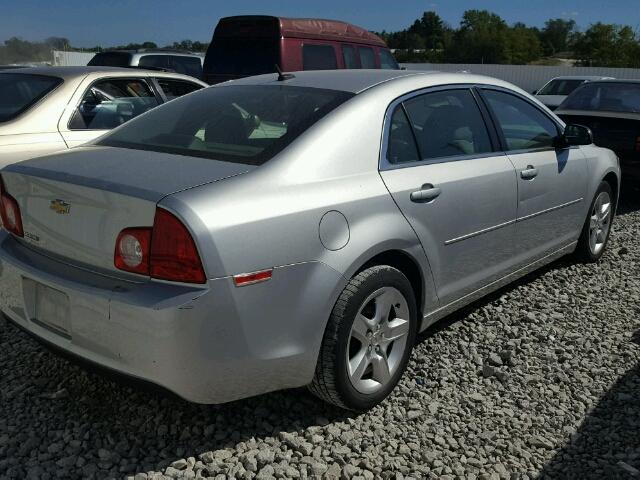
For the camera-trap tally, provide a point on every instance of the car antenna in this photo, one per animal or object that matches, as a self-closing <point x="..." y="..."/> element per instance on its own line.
<point x="283" y="76"/>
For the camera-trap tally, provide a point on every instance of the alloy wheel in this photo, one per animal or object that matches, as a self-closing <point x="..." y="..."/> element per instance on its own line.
<point x="378" y="340"/>
<point x="599" y="222"/>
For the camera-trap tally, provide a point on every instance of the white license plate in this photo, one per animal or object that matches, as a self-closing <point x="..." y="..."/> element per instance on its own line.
<point x="52" y="308"/>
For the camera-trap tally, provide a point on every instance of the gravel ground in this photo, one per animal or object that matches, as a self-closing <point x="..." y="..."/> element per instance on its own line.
<point x="540" y="380"/>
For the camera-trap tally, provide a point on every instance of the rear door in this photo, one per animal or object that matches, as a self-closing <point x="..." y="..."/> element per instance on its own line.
<point x="552" y="182"/>
<point x="104" y="104"/>
<point x="459" y="194"/>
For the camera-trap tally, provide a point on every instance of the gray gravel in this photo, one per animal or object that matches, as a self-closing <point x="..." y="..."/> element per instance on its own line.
<point x="539" y="380"/>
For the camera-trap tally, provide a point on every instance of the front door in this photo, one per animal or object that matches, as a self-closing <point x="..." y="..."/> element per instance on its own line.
<point x="458" y="194"/>
<point x="552" y="182"/>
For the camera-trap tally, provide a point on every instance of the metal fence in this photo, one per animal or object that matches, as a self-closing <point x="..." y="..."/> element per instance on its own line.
<point x="527" y="77"/>
<point x="67" y="59"/>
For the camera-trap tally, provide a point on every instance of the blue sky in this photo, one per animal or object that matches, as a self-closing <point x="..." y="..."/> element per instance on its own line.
<point x="108" y="22"/>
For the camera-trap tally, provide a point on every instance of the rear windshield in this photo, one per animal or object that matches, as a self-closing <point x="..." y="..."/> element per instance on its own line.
<point x="18" y="92"/>
<point x="110" y="59"/>
<point x="560" y="87"/>
<point x="238" y="123"/>
<point x="242" y="56"/>
<point x="610" y="97"/>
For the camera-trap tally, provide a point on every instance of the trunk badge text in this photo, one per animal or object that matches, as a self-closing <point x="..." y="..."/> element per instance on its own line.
<point x="59" y="206"/>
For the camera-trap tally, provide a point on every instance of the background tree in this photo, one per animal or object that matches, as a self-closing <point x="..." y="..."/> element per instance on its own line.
<point x="481" y="38"/>
<point x="556" y="35"/>
<point x="608" y="45"/>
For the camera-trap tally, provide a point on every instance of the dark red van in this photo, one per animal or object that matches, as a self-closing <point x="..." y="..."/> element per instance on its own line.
<point x="251" y="45"/>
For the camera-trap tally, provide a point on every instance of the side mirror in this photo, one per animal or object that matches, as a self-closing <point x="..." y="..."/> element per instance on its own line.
<point x="574" y="135"/>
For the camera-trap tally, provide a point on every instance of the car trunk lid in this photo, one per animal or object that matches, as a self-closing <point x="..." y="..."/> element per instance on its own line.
<point x="74" y="205"/>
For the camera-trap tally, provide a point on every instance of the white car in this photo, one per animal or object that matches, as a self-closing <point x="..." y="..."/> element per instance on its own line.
<point x="47" y="109"/>
<point x="557" y="89"/>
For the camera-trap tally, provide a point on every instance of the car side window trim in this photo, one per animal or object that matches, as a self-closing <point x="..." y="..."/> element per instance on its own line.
<point x="385" y="164"/>
<point x="146" y="80"/>
<point x="496" y="125"/>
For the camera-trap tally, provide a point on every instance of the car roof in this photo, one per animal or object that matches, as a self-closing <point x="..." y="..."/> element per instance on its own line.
<point x="580" y="77"/>
<point x="356" y="81"/>
<point x="74" y="73"/>
<point x="617" y="80"/>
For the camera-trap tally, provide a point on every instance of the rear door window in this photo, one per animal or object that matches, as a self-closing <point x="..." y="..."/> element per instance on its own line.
<point x="448" y="124"/>
<point x="318" y="57"/>
<point x="367" y="57"/>
<point x="176" y="88"/>
<point x="110" y="103"/>
<point x="350" y="58"/>
<point x="18" y="92"/>
<point x="387" y="61"/>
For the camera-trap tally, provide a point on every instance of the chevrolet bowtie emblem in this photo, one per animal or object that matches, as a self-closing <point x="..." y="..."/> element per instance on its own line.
<point x="59" y="206"/>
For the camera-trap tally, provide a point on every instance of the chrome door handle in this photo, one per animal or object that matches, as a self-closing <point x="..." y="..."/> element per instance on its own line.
<point x="426" y="193"/>
<point x="529" y="173"/>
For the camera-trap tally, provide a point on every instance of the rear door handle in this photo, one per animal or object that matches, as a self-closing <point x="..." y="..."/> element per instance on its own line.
<point x="426" y="193"/>
<point x="529" y="173"/>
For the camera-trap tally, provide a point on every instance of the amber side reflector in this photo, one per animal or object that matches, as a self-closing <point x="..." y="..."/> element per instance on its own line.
<point x="251" y="278"/>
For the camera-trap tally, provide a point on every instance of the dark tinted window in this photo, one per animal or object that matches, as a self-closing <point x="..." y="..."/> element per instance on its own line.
<point x="110" y="103"/>
<point x="367" y="57"/>
<point x="318" y="57"/>
<point x="387" y="61"/>
<point x="448" y="123"/>
<point x="154" y="61"/>
<point x="242" y="56"/>
<point x="610" y="96"/>
<point x="176" y="88"/>
<point x="237" y="123"/>
<point x="402" y="145"/>
<point x="191" y="66"/>
<point x="349" y="55"/>
<point x="560" y="87"/>
<point x="111" y="59"/>
<point x="522" y="124"/>
<point x="20" y="91"/>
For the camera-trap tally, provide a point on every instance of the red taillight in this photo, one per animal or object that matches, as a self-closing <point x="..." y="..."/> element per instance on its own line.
<point x="133" y="249"/>
<point x="10" y="212"/>
<point x="166" y="252"/>
<point x="251" y="278"/>
<point x="174" y="255"/>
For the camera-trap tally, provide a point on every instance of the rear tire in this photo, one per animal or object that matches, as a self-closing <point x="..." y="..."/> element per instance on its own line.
<point x="368" y="340"/>
<point x="597" y="227"/>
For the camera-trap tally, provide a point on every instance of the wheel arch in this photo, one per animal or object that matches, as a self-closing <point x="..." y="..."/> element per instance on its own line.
<point x="409" y="267"/>
<point x="612" y="179"/>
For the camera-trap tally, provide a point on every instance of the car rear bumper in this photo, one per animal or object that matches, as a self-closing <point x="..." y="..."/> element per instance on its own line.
<point x="208" y="345"/>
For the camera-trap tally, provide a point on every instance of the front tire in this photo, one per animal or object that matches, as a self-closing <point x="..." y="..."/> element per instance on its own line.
<point x="597" y="227"/>
<point x="368" y="340"/>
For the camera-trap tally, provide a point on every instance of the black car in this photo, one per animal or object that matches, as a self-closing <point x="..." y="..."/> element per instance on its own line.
<point x="611" y="109"/>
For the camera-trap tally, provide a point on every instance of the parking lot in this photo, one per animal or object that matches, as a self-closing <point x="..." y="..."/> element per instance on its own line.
<point x="538" y="380"/>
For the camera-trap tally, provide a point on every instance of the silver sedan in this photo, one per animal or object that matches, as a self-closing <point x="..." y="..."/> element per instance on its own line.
<point x="296" y="230"/>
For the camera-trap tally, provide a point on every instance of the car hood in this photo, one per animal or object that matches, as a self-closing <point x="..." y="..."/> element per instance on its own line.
<point x="138" y="173"/>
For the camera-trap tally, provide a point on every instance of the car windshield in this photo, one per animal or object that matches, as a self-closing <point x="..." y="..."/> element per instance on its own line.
<point x="610" y="97"/>
<point x="242" y="56"/>
<point x="560" y="87"/>
<point x="18" y="92"/>
<point x="238" y="123"/>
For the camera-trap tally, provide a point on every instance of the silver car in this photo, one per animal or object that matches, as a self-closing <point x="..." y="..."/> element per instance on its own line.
<point x="296" y="229"/>
<point x="46" y="109"/>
